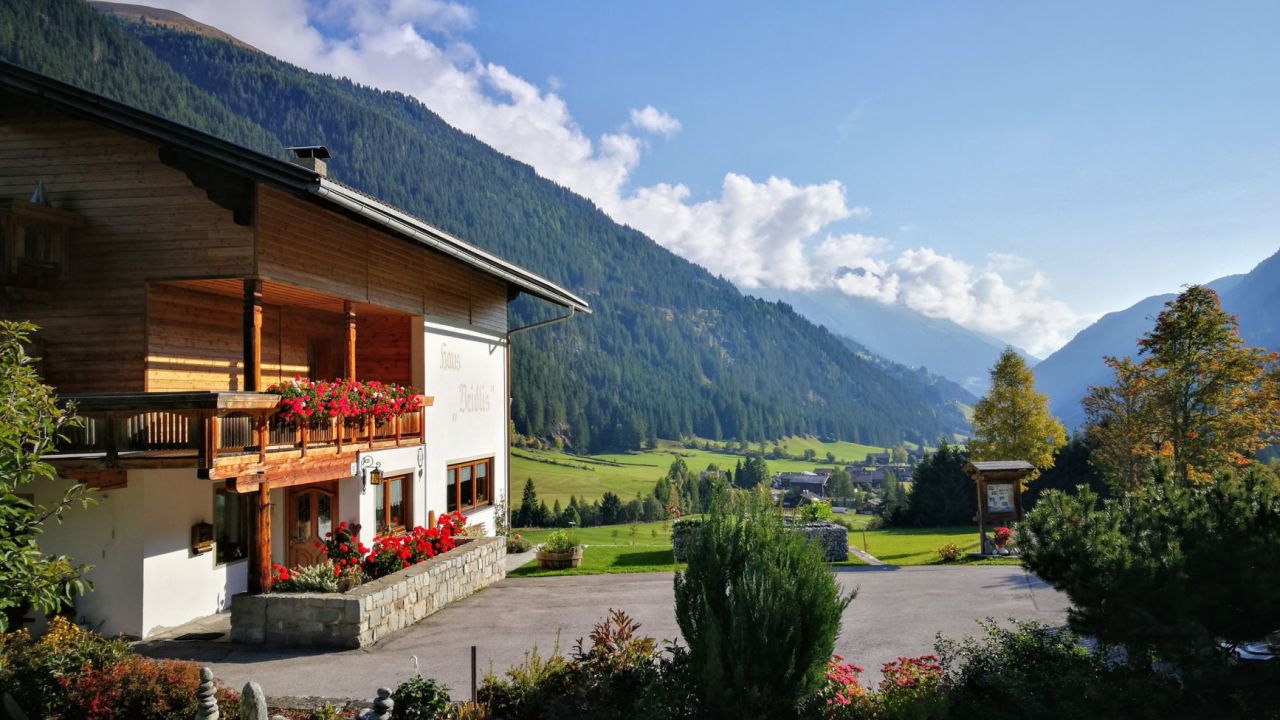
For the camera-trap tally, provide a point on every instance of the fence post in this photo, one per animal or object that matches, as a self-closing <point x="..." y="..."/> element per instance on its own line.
<point x="473" y="673"/>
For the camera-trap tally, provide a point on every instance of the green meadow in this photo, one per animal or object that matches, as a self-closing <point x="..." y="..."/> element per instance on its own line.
<point x="558" y="475"/>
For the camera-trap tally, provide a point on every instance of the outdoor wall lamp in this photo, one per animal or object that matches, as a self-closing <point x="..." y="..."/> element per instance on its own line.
<point x="370" y="472"/>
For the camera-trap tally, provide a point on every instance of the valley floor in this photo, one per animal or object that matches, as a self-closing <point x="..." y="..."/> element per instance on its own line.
<point x="646" y="547"/>
<point x="558" y="475"/>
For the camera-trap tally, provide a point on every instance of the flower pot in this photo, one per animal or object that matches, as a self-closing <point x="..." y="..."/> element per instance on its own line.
<point x="347" y="582"/>
<point x="560" y="559"/>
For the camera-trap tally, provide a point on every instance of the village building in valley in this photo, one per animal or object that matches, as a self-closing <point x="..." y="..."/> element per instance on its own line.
<point x="176" y="277"/>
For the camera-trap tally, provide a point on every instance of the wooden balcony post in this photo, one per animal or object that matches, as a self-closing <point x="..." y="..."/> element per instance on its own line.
<point x="395" y="424"/>
<point x="110" y="440"/>
<point x="349" y="354"/>
<point x="253" y="335"/>
<point x="338" y="430"/>
<point x="260" y="578"/>
<point x="303" y="436"/>
<point x="263" y="437"/>
<point x="369" y="430"/>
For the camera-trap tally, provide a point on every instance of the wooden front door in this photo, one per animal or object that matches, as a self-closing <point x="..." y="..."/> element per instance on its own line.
<point x="311" y="512"/>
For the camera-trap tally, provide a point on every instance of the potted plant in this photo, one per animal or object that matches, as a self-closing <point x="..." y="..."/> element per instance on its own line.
<point x="561" y="550"/>
<point x="1002" y="536"/>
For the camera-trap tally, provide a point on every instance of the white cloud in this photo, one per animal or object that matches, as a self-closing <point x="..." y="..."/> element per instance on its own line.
<point x="756" y="233"/>
<point x="651" y="119"/>
<point x="941" y="286"/>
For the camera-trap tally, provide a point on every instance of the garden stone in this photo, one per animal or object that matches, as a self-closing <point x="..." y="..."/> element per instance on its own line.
<point x="253" y="703"/>
<point x="206" y="700"/>
<point x="382" y="706"/>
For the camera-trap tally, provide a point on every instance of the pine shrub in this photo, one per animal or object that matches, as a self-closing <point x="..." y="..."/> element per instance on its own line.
<point x="758" y="609"/>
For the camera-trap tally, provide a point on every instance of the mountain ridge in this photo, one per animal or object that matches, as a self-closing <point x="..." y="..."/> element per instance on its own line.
<point x="902" y="335"/>
<point x="1066" y="375"/>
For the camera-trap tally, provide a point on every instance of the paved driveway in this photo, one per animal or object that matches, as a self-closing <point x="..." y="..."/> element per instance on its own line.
<point x="897" y="612"/>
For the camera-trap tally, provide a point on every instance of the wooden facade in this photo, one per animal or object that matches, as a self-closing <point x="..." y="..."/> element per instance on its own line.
<point x="149" y="299"/>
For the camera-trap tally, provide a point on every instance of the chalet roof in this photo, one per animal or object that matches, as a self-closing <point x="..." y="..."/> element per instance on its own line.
<point x="279" y="173"/>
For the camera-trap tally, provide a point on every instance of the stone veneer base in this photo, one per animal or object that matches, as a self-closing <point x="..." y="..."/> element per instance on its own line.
<point x="366" y="614"/>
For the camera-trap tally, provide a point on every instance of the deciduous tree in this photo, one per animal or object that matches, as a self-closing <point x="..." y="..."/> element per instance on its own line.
<point x="31" y="422"/>
<point x="1013" y="421"/>
<point x="1199" y="400"/>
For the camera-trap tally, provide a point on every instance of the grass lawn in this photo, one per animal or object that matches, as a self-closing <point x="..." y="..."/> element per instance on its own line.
<point x="919" y="546"/>
<point x="612" y="549"/>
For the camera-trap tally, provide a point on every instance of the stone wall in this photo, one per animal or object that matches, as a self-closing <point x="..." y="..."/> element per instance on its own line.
<point x="370" y="612"/>
<point x="831" y="537"/>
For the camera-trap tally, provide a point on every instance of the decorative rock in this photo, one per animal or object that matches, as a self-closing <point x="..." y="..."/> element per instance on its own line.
<point x="206" y="700"/>
<point x="253" y="703"/>
<point x="382" y="706"/>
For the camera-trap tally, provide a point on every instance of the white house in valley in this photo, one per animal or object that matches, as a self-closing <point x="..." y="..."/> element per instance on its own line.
<point x="175" y="278"/>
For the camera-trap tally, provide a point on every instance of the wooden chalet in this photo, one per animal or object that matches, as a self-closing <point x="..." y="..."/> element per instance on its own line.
<point x="175" y="277"/>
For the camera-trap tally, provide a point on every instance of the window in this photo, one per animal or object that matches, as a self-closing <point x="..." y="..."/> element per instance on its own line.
<point x="34" y="239"/>
<point x="232" y="526"/>
<point x="470" y="485"/>
<point x="391" y="504"/>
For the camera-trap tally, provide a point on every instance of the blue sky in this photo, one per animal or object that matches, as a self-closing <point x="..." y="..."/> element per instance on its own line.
<point x="1016" y="167"/>
<point x="1136" y="135"/>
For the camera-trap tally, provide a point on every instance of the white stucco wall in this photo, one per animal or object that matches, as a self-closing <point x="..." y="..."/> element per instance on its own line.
<point x="178" y="585"/>
<point x="138" y="538"/>
<point x="106" y="536"/>
<point x="465" y="371"/>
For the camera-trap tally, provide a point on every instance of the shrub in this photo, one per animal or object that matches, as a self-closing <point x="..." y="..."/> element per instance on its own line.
<point x="911" y="690"/>
<point x="420" y="698"/>
<point x="1167" y="569"/>
<point x="841" y="696"/>
<point x="560" y="541"/>
<point x="517" y="544"/>
<point x="949" y="552"/>
<point x="620" y="675"/>
<point x="758" y="609"/>
<point x="1033" y="670"/>
<point x="33" y="670"/>
<point x="813" y="511"/>
<point x="136" y="688"/>
<point x="321" y="577"/>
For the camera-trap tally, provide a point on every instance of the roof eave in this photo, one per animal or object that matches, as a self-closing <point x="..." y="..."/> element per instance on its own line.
<point x="406" y="225"/>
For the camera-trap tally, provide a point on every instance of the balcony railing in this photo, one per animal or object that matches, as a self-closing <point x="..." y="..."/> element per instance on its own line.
<point x="223" y="433"/>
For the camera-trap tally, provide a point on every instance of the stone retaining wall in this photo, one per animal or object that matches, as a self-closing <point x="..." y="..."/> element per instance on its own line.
<point x="831" y="537"/>
<point x="366" y="614"/>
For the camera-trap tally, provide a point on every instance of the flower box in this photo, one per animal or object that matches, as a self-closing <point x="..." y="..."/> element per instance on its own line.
<point x="369" y="612"/>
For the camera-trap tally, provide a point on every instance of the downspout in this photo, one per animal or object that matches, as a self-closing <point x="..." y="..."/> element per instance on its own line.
<point x="507" y="429"/>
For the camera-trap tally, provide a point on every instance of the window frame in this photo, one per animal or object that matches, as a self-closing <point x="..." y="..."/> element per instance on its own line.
<point x="455" y="502"/>
<point x="384" y="492"/>
<point x="248" y="523"/>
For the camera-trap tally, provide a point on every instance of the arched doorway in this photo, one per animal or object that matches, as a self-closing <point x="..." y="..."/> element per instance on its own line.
<point x="311" y="510"/>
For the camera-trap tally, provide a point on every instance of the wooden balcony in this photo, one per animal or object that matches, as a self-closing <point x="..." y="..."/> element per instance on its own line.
<point x="238" y="437"/>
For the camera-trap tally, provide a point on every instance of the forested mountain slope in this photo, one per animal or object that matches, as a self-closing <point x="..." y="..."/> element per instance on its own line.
<point x="671" y="350"/>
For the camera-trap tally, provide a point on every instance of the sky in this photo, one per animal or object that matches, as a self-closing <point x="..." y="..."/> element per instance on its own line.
<point x="1018" y="168"/>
